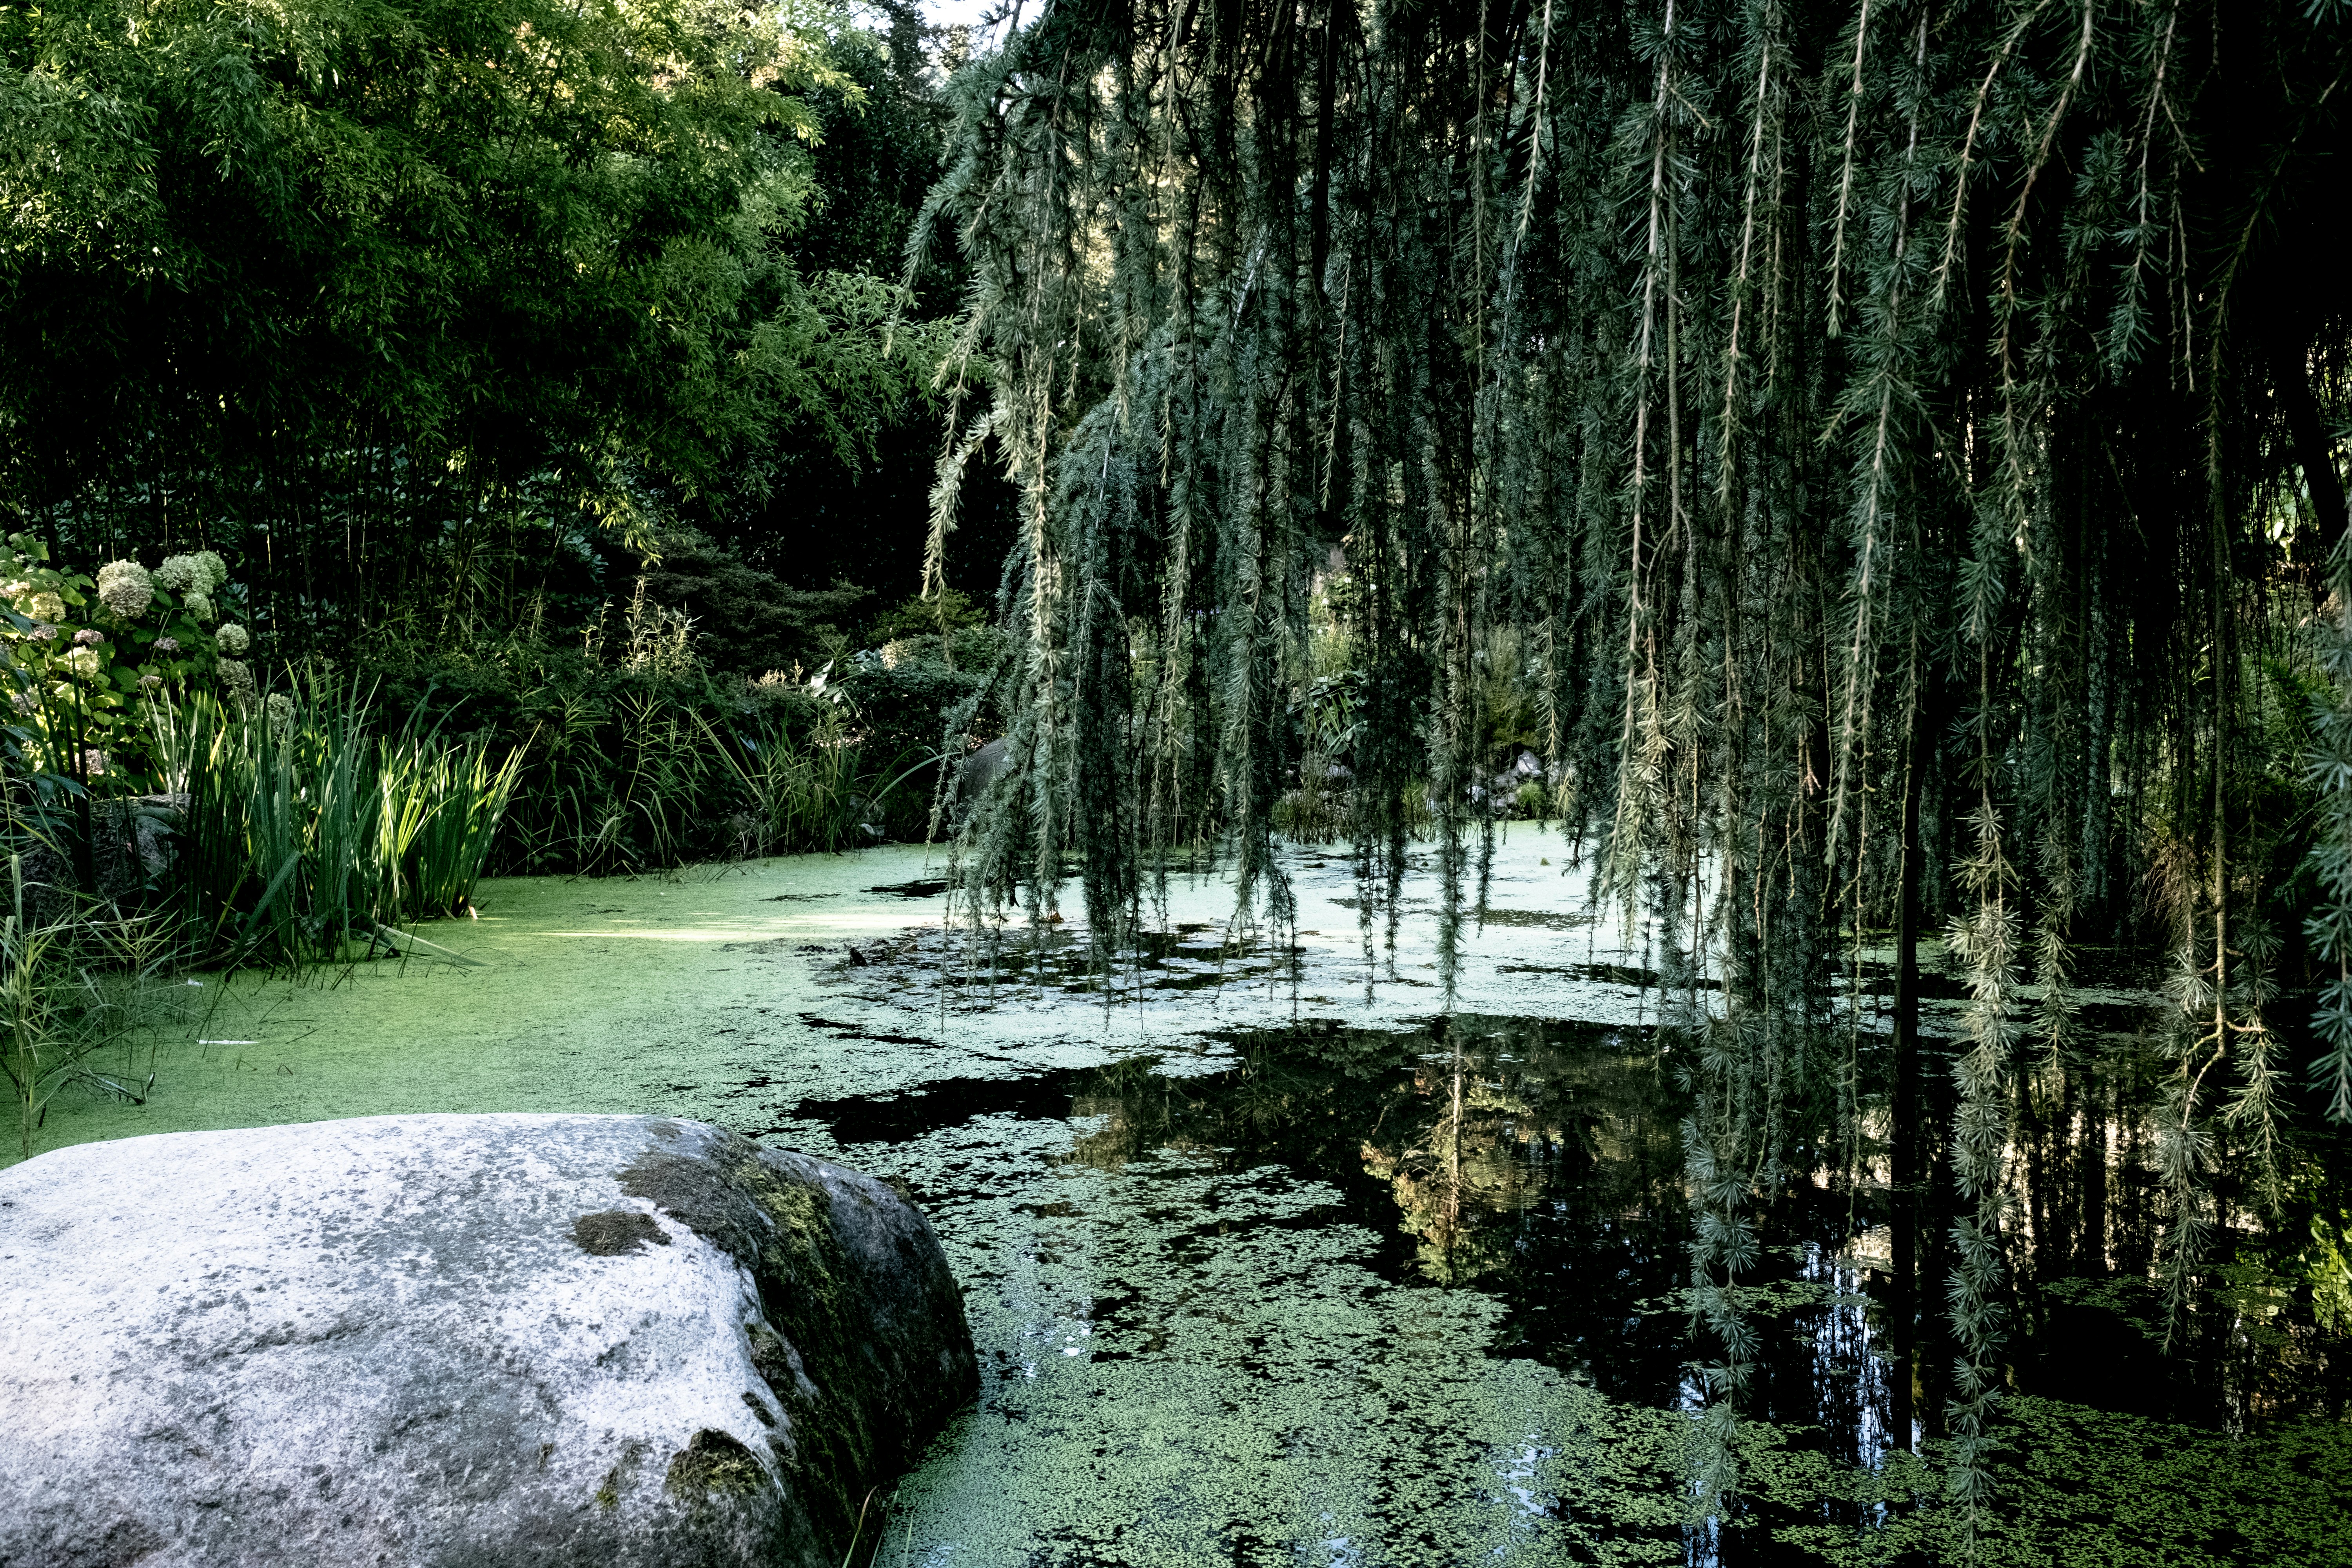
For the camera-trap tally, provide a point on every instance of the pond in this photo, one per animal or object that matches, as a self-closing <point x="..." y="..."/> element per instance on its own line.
<point x="1262" y="1270"/>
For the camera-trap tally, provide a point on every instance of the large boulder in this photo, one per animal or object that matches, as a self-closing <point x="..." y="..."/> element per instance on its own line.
<point x="461" y="1340"/>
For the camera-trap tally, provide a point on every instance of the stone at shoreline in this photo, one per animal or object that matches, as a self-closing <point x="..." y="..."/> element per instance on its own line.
<point x="133" y="843"/>
<point x="497" y="1340"/>
<point x="977" y="772"/>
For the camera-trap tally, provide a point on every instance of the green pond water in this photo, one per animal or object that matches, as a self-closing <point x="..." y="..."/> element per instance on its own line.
<point x="1263" y="1272"/>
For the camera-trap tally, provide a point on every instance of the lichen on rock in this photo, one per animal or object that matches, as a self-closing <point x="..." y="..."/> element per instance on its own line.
<point x="553" y="1340"/>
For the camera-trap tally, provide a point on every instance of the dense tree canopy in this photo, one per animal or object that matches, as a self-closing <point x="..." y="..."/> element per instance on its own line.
<point x="414" y="300"/>
<point x="1894" y="442"/>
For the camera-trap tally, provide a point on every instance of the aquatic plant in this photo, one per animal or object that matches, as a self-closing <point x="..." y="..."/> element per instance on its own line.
<point x="442" y="803"/>
<point x="307" y="839"/>
<point x="640" y="753"/>
<point x="802" y="788"/>
<point x="76" y="978"/>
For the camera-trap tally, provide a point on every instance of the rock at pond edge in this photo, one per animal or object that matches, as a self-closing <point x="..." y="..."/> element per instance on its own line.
<point x="508" y="1340"/>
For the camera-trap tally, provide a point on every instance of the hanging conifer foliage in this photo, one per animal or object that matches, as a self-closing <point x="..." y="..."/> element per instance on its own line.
<point x="1898" y="437"/>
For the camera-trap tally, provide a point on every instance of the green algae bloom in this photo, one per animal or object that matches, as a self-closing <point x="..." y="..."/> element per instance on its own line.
<point x="1243" y="1287"/>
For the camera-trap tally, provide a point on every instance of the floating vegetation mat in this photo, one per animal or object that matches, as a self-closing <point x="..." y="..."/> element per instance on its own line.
<point x="1262" y="1272"/>
<point x="1415" y="1297"/>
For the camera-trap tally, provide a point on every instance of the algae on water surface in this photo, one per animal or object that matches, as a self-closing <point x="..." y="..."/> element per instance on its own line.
<point x="1247" y="1286"/>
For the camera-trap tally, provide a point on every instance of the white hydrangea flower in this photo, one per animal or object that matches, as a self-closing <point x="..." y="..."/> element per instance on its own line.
<point x="46" y="607"/>
<point x="238" y="678"/>
<point x="177" y="575"/>
<point x="85" y="662"/>
<point x="212" y="570"/>
<point x="280" y="709"/>
<point x="26" y="702"/>
<point x="232" y="638"/>
<point x="125" y="588"/>
<point x="198" y="603"/>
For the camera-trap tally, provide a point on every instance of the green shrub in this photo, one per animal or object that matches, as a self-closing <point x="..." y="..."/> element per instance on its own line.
<point x="639" y="754"/>
<point x="950" y="611"/>
<point x="635" y="751"/>
<point x="902" y="698"/>
<point x="747" y="621"/>
<point x="442" y="804"/>
<point x="341" y="806"/>
<point x="901" y="709"/>
<point x="92" y="657"/>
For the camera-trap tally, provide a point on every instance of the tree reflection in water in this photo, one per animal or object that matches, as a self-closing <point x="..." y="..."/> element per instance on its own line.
<point x="1546" y="1164"/>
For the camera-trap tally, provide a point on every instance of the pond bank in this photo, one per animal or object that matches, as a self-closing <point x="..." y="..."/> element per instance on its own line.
<point x="1259" y="1271"/>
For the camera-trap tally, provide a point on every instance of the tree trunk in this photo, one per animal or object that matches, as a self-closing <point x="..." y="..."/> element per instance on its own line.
<point x="2315" y="448"/>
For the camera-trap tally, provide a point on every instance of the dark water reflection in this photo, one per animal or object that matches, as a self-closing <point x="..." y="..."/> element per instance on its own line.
<point x="1540" y="1164"/>
<point x="1546" y="1171"/>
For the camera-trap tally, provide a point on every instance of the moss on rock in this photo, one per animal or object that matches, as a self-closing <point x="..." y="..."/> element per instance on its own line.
<point x="713" y="1461"/>
<point x="852" y="1416"/>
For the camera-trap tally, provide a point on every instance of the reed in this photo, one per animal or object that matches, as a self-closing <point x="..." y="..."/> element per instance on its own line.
<point x="468" y="793"/>
<point x="802" y="791"/>
<point x="807" y="793"/>
<point x="306" y="838"/>
<point x="73" y="985"/>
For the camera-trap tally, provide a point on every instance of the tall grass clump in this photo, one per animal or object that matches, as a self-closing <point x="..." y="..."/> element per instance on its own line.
<point x="74" y="986"/>
<point x="309" y="839"/>
<point x="643" y="755"/>
<point x="442" y="804"/>
<point x="800" y="790"/>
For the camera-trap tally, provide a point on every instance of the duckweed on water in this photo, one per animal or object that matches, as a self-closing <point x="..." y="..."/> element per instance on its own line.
<point x="1182" y="1367"/>
<point x="1190" y="1361"/>
<point x="1247" y="1286"/>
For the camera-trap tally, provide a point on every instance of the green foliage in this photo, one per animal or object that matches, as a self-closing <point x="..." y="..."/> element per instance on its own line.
<point x="95" y="657"/>
<point x="2328" y="765"/>
<point x="307" y="839"/>
<point x="441" y="808"/>
<point x="876" y="153"/>
<point x="582" y="710"/>
<point x="632" y="744"/>
<point x="901" y="705"/>
<point x="2328" y="1268"/>
<point x="949" y="610"/>
<point x="73" y="983"/>
<point x="801" y="790"/>
<point x="414" y="303"/>
<point x="639" y="754"/>
<point x="748" y="620"/>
